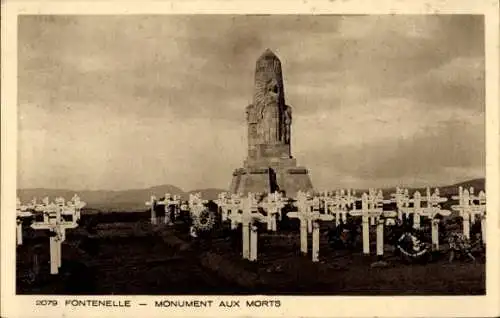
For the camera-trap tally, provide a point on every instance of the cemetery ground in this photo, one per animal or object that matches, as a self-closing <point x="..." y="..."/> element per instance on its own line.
<point x="123" y="254"/>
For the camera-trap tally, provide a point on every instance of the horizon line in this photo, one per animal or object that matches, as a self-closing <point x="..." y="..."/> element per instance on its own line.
<point x="214" y="188"/>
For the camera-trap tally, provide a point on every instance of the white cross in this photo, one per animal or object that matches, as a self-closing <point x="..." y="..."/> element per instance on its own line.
<point x="328" y="201"/>
<point x="416" y="210"/>
<point x="72" y="208"/>
<point x="479" y="208"/>
<point x="432" y="210"/>
<point x="467" y="209"/>
<point x="250" y="214"/>
<point x="273" y="205"/>
<point x="77" y="204"/>
<point x="372" y="208"/>
<point x="42" y="209"/>
<point x="172" y="201"/>
<point x="152" y="203"/>
<point x="309" y="216"/>
<point x="234" y="208"/>
<point x="196" y="204"/>
<point x="339" y="205"/>
<point x="168" y="201"/>
<point x="222" y="202"/>
<point x="57" y="225"/>
<point x="402" y="200"/>
<point x="22" y="211"/>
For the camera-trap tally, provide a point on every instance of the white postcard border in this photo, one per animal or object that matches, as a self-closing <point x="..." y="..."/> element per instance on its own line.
<point x="313" y="306"/>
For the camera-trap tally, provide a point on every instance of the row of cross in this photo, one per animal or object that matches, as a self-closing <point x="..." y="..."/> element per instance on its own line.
<point x="57" y="217"/>
<point x="238" y="209"/>
<point x="167" y="202"/>
<point x="195" y="205"/>
<point x="334" y="206"/>
<point x="248" y="211"/>
<point x="471" y="208"/>
<point x="311" y="209"/>
<point x="371" y="211"/>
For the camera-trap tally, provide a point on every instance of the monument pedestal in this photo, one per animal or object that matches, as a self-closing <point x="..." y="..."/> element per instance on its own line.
<point x="270" y="175"/>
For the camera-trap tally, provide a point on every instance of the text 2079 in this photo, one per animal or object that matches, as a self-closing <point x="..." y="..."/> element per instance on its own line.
<point x="46" y="302"/>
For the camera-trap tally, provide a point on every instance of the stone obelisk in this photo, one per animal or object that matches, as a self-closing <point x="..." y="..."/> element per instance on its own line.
<point x="269" y="165"/>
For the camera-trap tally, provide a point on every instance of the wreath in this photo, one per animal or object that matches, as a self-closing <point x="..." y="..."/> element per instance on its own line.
<point x="204" y="221"/>
<point x="410" y="246"/>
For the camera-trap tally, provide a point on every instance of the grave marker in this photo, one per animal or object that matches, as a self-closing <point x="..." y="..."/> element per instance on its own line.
<point x="21" y="213"/>
<point x="468" y="209"/>
<point x="57" y="226"/>
<point x="250" y="214"/>
<point x="432" y="210"/>
<point x="235" y="210"/>
<point x="402" y="200"/>
<point x="167" y="202"/>
<point x="315" y="242"/>
<point x="202" y="218"/>
<point x="309" y="213"/>
<point x="273" y="205"/>
<point x="223" y="204"/>
<point x="372" y="208"/>
<point x="152" y="203"/>
<point x="404" y="206"/>
<point x="338" y="205"/>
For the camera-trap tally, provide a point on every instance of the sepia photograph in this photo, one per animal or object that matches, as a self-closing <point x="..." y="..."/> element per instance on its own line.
<point x="208" y="154"/>
<point x="232" y="154"/>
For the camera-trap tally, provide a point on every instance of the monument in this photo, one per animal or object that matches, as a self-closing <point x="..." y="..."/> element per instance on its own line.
<point x="269" y="166"/>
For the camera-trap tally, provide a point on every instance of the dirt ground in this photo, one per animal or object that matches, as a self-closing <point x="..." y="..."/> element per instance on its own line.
<point x="135" y="258"/>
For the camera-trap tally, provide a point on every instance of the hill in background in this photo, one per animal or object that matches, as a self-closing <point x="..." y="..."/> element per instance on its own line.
<point x="447" y="190"/>
<point x="124" y="200"/>
<point x="134" y="199"/>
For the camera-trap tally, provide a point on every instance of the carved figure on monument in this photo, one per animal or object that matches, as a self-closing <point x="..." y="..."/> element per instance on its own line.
<point x="270" y="124"/>
<point x="267" y="110"/>
<point x="287" y="125"/>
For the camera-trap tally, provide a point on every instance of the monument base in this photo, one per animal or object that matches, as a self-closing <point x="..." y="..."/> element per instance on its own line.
<point x="275" y="175"/>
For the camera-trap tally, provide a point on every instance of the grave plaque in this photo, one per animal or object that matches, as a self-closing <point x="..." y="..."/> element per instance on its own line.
<point x="269" y="165"/>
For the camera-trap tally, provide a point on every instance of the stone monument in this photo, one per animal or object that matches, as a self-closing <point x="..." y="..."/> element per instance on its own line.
<point x="269" y="166"/>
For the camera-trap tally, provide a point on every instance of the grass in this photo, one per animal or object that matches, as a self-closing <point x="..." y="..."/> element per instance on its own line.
<point x="132" y="257"/>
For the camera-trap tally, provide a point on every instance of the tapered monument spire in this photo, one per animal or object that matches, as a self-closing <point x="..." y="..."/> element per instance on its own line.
<point x="269" y="119"/>
<point x="269" y="165"/>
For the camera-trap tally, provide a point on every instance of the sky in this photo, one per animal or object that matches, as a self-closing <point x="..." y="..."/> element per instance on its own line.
<point x="120" y="102"/>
